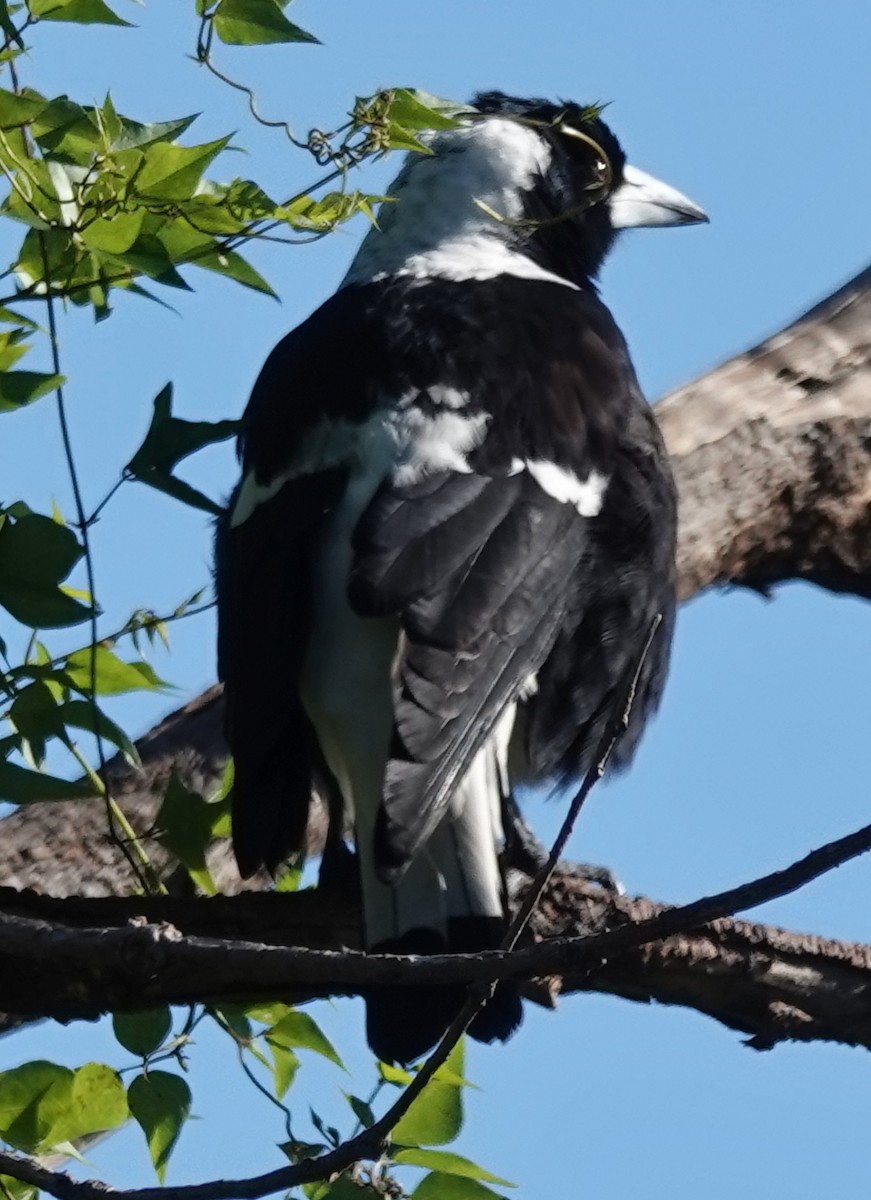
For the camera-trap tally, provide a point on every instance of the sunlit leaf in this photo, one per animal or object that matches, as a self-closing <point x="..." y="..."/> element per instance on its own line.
<point x="17" y="109"/>
<point x="134" y="134"/>
<point x="300" y="1032"/>
<point x="285" y="1065"/>
<point x="66" y="130"/>
<point x="160" y="1103"/>
<point x="256" y="22"/>
<point x="412" y="110"/>
<point x="97" y="1102"/>
<point x="13" y="345"/>
<point x="14" y="1189"/>
<point x="446" y="1163"/>
<point x="149" y="255"/>
<point x="187" y="245"/>
<point x="439" y="1186"/>
<point x="395" y="1075"/>
<point x="172" y="172"/>
<point x="33" y="1098"/>
<point x="113" y="675"/>
<point x="79" y="12"/>
<point x="436" y="1115"/>
<point x="115" y="235"/>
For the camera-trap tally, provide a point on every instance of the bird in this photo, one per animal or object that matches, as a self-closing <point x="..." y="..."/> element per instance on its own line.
<point x="453" y="532"/>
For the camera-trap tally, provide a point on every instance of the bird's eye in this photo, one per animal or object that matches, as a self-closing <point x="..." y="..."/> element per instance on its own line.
<point x="600" y="171"/>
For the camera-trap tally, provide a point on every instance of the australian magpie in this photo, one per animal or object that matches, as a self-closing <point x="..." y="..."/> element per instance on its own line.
<point x="454" y="529"/>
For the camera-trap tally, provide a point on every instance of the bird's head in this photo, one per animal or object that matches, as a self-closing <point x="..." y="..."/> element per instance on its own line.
<point x="584" y="192"/>
<point x="520" y="187"/>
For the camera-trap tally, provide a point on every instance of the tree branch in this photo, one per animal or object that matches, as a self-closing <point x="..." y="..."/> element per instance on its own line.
<point x="54" y="961"/>
<point x="153" y="951"/>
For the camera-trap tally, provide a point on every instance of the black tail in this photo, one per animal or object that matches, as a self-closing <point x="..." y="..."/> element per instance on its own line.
<point x="404" y="1023"/>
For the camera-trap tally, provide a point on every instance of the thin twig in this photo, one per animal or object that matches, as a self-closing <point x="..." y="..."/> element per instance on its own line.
<point x="81" y="518"/>
<point x="617" y="723"/>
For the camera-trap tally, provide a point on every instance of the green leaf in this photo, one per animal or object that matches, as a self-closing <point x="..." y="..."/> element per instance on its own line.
<point x="172" y="172"/>
<point x="298" y="1031"/>
<point x="439" y="1186"/>
<point x="33" y="1097"/>
<point x="66" y="130"/>
<point x="81" y="714"/>
<point x="285" y="1065"/>
<point x="235" y="1018"/>
<point x="436" y="1116"/>
<point x="361" y="1110"/>
<point x="268" y="1014"/>
<point x="12" y="347"/>
<point x="395" y="1075"/>
<point x="446" y="1163"/>
<point x="289" y="879"/>
<point x="114" y="235"/>
<point x="114" y="676"/>
<point x="14" y="1189"/>
<point x="186" y="245"/>
<point x="401" y="139"/>
<point x="36" y="553"/>
<point x="170" y="439"/>
<point x="97" y="1102"/>
<point x="18" y="109"/>
<point x="79" y="12"/>
<point x="18" y="785"/>
<point x="412" y="110"/>
<point x="256" y="22"/>
<point x="18" y="388"/>
<point x="142" y="1032"/>
<point x="132" y="134"/>
<point x="34" y="714"/>
<point x="160" y="1103"/>
<point x="185" y="825"/>
<point x="149" y="256"/>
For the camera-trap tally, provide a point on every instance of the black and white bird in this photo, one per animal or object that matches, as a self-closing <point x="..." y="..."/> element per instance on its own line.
<point x="454" y="530"/>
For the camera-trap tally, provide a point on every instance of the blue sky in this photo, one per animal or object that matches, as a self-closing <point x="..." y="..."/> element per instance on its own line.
<point x="760" y="113"/>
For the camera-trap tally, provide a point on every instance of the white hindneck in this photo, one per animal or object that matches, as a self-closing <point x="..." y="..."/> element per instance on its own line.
<point x="435" y="229"/>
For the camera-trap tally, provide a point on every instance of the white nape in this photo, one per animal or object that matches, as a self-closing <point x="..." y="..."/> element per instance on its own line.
<point x="441" y="223"/>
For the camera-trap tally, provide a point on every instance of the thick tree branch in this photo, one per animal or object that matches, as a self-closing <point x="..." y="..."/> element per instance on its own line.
<point x="65" y="958"/>
<point x="772" y="454"/>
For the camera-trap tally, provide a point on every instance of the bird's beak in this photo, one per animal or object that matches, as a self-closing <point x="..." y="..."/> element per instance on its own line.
<point x="643" y="200"/>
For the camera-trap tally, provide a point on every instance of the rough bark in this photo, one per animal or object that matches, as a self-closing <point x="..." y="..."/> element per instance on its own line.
<point x="772" y="453"/>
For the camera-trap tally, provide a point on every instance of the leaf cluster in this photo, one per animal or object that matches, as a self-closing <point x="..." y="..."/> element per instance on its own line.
<point x="99" y="204"/>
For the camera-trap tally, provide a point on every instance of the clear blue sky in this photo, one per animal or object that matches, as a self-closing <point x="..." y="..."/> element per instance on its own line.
<point x="761" y="114"/>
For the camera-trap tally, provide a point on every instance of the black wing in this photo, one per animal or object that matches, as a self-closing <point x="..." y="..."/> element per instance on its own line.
<point x="478" y="567"/>
<point x="261" y="569"/>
